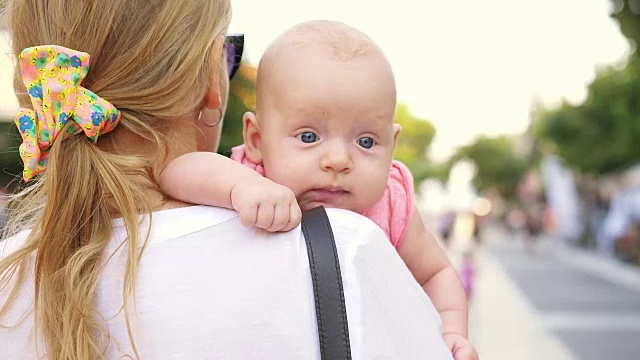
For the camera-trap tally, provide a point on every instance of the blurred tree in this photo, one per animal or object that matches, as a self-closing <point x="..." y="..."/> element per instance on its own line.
<point x="242" y="98"/>
<point x="498" y="167"/>
<point x="413" y="143"/>
<point x="600" y="135"/>
<point x="627" y="14"/>
<point x="10" y="163"/>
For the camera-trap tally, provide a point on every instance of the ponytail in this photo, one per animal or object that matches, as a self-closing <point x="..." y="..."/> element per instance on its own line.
<point x="69" y="239"/>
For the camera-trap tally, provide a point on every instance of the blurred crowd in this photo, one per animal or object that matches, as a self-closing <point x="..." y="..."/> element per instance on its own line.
<point x="615" y="222"/>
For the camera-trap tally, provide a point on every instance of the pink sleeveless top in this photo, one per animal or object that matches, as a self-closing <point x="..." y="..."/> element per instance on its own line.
<point x="392" y="212"/>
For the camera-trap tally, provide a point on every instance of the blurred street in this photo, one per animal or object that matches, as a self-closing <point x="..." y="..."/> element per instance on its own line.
<point x="552" y="302"/>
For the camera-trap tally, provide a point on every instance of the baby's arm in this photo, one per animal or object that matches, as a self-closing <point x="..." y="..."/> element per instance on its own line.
<point x="211" y="179"/>
<point x="432" y="269"/>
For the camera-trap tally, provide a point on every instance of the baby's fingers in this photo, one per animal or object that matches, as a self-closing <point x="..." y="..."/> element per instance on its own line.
<point x="461" y="348"/>
<point x="466" y="353"/>
<point x="280" y="217"/>
<point x="265" y="216"/>
<point x="450" y="343"/>
<point x="249" y="215"/>
<point x="295" y="216"/>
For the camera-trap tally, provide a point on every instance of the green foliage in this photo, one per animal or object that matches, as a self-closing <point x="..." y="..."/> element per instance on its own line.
<point x="497" y="166"/>
<point x="10" y="163"/>
<point x="599" y="136"/>
<point x="417" y="134"/>
<point x="242" y="95"/>
<point x="413" y="143"/>
<point x="627" y="14"/>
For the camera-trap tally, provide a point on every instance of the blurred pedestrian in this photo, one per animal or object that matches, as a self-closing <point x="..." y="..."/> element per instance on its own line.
<point x="445" y="226"/>
<point x="468" y="272"/>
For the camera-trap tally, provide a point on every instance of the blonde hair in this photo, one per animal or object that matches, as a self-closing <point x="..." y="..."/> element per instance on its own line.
<point x="153" y="60"/>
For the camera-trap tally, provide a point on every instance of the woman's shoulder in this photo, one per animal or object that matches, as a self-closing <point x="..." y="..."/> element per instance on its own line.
<point x="346" y="220"/>
<point x="346" y="216"/>
<point x="199" y="221"/>
<point x="177" y="222"/>
<point x="355" y="230"/>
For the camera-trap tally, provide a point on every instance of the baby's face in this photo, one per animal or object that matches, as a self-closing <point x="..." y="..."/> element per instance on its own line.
<point x="327" y="130"/>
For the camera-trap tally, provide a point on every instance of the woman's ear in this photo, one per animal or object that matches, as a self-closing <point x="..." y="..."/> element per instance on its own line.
<point x="212" y="99"/>
<point x="397" y="129"/>
<point x="217" y="93"/>
<point x="252" y="139"/>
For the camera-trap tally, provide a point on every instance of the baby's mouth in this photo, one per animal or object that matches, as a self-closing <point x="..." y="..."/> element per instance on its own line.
<point x="328" y="193"/>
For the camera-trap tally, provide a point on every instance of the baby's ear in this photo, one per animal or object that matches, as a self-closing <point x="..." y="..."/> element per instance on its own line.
<point x="397" y="129"/>
<point x="252" y="139"/>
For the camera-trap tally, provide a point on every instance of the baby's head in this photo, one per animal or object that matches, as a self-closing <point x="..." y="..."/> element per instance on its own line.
<point x="324" y="126"/>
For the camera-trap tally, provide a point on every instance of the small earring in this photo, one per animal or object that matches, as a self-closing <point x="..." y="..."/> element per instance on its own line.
<point x="209" y="124"/>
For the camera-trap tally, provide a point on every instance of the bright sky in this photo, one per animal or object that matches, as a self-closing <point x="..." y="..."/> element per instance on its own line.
<point x="471" y="67"/>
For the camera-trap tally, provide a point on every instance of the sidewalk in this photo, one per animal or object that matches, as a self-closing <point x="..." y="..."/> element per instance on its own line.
<point x="587" y="304"/>
<point x="502" y="323"/>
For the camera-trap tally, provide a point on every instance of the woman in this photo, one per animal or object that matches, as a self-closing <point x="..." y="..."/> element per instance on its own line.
<point x="100" y="263"/>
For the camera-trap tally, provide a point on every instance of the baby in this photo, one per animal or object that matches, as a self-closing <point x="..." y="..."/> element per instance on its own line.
<point x="323" y="134"/>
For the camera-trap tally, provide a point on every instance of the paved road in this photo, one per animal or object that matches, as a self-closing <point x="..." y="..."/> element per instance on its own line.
<point x="592" y="308"/>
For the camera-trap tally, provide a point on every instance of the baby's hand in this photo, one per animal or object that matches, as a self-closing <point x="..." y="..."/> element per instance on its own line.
<point x="265" y="204"/>
<point x="460" y="347"/>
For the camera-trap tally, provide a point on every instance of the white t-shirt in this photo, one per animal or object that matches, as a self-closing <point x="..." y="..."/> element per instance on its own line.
<point x="210" y="288"/>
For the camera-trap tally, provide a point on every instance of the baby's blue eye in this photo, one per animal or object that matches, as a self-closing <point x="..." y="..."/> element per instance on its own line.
<point x="366" y="142"/>
<point x="308" y="137"/>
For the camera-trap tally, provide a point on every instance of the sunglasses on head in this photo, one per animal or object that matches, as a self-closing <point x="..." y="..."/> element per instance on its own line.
<point x="233" y="46"/>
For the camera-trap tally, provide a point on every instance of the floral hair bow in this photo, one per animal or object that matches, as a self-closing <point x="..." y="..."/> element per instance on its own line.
<point x="52" y="75"/>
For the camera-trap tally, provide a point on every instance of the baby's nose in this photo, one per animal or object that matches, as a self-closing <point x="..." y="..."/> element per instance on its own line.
<point x="337" y="159"/>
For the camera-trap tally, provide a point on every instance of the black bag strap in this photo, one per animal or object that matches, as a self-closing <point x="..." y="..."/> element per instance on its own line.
<point x="331" y="312"/>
